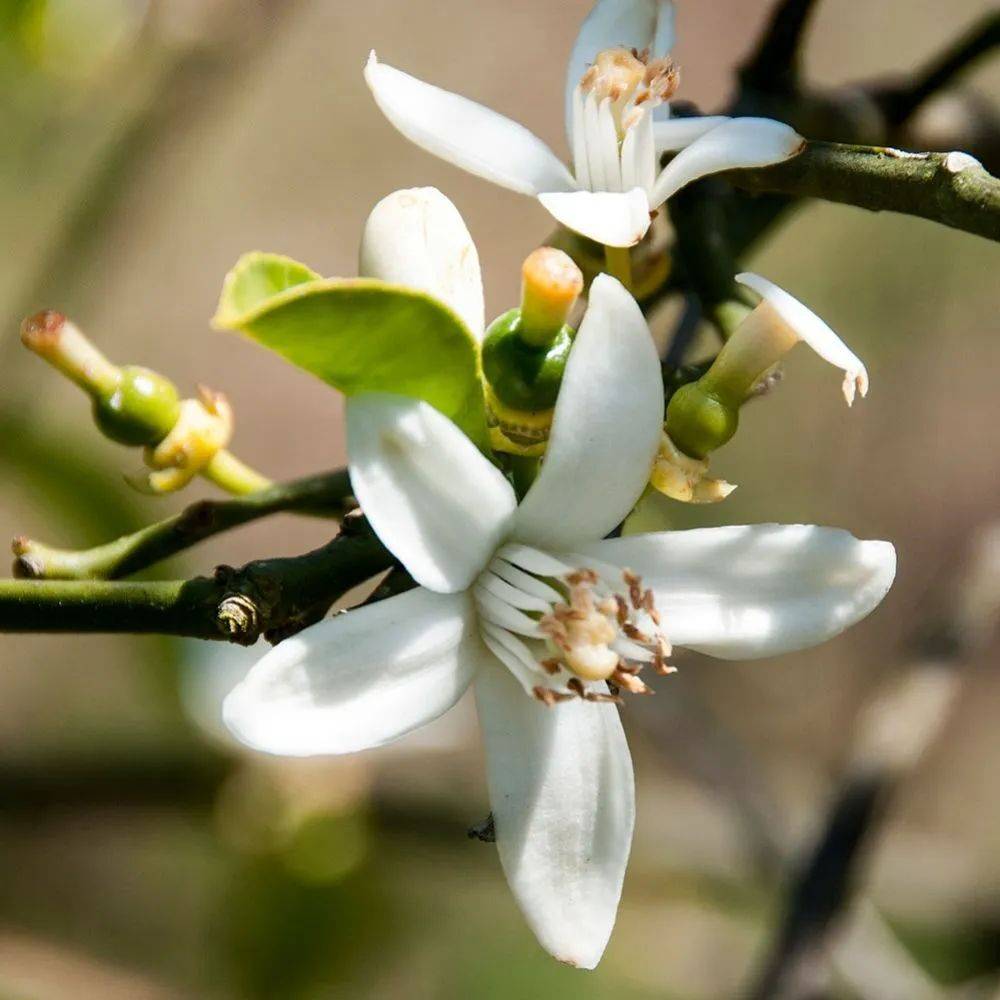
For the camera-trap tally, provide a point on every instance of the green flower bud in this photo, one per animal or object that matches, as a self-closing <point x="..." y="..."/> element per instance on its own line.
<point x="524" y="376"/>
<point x="698" y="422"/>
<point x="140" y="410"/>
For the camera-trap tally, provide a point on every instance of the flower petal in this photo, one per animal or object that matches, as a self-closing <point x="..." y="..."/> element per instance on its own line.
<point x="613" y="218"/>
<point x="672" y="134"/>
<point x="417" y="238"/>
<point x="628" y="24"/>
<point x="605" y="430"/>
<point x="360" y="679"/>
<point x="740" y="142"/>
<point x="563" y="799"/>
<point x="748" y="591"/>
<point x="807" y="326"/>
<point x="465" y="133"/>
<point x="433" y="500"/>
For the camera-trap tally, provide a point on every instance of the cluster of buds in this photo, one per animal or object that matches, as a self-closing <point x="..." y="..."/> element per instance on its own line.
<point x="135" y="406"/>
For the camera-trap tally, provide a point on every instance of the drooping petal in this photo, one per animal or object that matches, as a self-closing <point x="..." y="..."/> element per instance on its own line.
<point x="740" y="142"/>
<point x="563" y="799"/>
<point x="465" y="133"/>
<point x="613" y="218"/>
<point x="605" y="430"/>
<point x="417" y="238"/>
<point x="672" y="134"/>
<point x="627" y="24"/>
<point x="757" y="590"/>
<point x="807" y="326"/>
<point x="360" y="679"/>
<point x="431" y="497"/>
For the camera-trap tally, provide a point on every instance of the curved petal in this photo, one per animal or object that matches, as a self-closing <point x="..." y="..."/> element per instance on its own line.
<point x="628" y="24"/>
<point x="465" y="133"/>
<point x="613" y="218"/>
<point x="807" y="326"/>
<point x="605" y="430"/>
<point x="757" y="590"/>
<point x="431" y="497"/>
<point x="740" y="142"/>
<point x="563" y="799"/>
<point x="672" y="134"/>
<point x="417" y="238"/>
<point x="360" y="679"/>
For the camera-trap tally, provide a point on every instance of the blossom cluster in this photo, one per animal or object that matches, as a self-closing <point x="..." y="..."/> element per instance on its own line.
<point x="526" y="592"/>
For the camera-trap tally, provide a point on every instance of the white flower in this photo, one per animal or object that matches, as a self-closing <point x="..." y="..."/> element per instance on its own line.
<point x="527" y="604"/>
<point x="614" y="92"/>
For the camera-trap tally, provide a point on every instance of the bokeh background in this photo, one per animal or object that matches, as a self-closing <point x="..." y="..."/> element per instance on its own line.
<point x="145" y="145"/>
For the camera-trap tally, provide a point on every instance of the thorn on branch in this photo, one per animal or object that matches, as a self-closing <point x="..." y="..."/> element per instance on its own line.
<point x="775" y="64"/>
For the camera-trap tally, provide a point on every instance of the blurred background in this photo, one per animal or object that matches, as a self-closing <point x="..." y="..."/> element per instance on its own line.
<point x="145" y="145"/>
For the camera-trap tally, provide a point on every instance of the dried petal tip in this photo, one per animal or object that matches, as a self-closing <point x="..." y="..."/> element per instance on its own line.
<point x="41" y="331"/>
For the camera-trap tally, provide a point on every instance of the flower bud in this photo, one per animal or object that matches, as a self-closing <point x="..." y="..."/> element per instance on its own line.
<point x="141" y="410"/>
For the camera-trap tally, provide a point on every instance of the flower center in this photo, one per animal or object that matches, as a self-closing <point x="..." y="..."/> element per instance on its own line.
<point x="563" y="631"/>
<point x="613" y="148"/>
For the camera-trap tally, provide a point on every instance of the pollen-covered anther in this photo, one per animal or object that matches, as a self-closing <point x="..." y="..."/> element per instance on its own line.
<point x="549" y="697"/>
<point x="630" y="682"/>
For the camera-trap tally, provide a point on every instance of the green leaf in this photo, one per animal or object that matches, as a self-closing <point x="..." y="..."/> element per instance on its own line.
<point x="359" y="335"/>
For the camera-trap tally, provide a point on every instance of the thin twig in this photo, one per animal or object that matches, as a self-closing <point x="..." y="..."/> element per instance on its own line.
<point x="328" y="494"/>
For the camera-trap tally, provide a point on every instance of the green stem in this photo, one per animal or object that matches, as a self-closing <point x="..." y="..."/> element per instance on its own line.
<point x="264" y="597"/>
<point x="950" y="188"/>
<point x="327" y="495"/>
<point x="618" y="263"/>
<point x="234" y="476"/>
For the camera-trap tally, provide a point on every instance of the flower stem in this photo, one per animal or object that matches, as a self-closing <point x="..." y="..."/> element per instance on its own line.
<point x="618" y="263"/>
<point x="233" y="475"/>
<point x="326" y="495"/>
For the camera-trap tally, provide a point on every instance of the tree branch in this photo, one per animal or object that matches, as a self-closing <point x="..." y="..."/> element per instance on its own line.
<point x="270" y="597"/>
<point x="774" y="64"/>
<point x="328" y="495"/>
<point x="950" y="188"/>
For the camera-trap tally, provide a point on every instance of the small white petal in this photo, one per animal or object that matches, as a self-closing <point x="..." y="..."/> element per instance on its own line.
<point x="360" y="679"/>
<point x="676" y="133"/>
<point x="466" y="133"/>
<point x="596" y="162"/>
<point x="605" y="430"/>
<point x="431" y="497"/>
<point x="563" y="799"/>
<point x="740" y="142"/>
<point x="808" y="327"/>
<point x="611" y="218"/>
<point x="606" y="146"/>
<point x="417" y="238"/>
<point x="627" y="24"/>
<point x="581" y="164"/>
<point x="748" y="591"/>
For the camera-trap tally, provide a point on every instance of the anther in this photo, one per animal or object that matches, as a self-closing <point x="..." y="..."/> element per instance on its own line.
<point x="630" y="682"/>
<point x="548" y="697"/>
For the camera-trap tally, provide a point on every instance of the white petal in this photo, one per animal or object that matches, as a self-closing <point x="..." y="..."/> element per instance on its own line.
<point x="431" y="497"/>
<point x="605" y="430"/>
<point x="417" y="238"/>
<point x="676" y="133"/>
<point x="756" y="590"/>
<point x="807" y="326"/>
<point x="628" y="24"/>
<point x="360" y="679"/>
<point x="465" y="133"/>
<point x="563" y="799"/>
<point x="740" y="142"/>
<point x="608" y="217"/>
